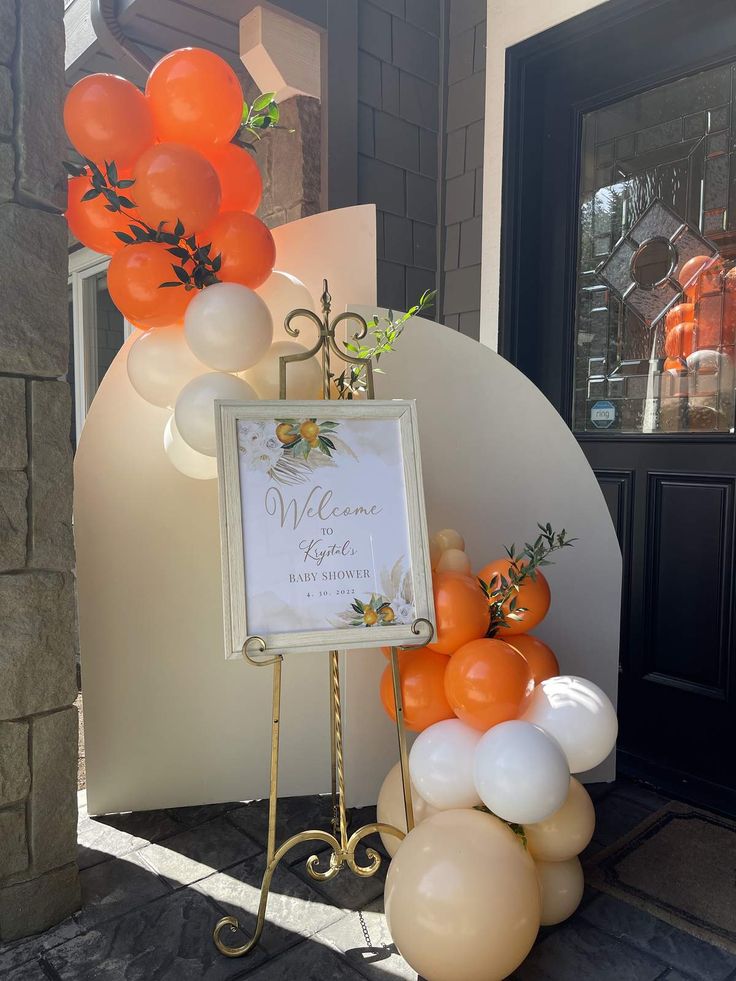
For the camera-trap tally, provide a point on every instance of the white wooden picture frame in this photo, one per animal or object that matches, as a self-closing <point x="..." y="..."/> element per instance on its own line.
<point x="323" y="525"/>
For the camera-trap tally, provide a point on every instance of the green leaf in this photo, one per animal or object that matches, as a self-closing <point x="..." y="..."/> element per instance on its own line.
<point x="178" y="228"/>
<point x="112" y="172"/>
<point x="217" y="262"/>
<point x="181" y="274"/>
<point x="263" y="101"/>
<point x="179" y="253"/>
<point x="128" y="182"/>
<point x="126" y="202"/>
<point x="128" y="239"/>
<point x="164" y="285"/>
<point x="89" y="195"/>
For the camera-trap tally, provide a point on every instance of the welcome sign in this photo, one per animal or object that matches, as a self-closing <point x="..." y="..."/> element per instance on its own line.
<point x="324" y="537"/>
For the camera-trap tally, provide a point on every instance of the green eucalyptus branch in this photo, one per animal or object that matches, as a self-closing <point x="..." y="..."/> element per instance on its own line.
<point x="384" y="333"/>
<point x="502" y="592"/>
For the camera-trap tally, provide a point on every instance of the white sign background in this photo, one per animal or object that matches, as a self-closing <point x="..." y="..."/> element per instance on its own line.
<point x="333" y="535"/>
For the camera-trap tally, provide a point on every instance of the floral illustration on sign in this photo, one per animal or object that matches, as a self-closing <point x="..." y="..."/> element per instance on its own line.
<point x="395" y="604"/>
<point x="292" y="449"/>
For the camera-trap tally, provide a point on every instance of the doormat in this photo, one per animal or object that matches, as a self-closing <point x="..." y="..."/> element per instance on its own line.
<point x="679" y="865"/>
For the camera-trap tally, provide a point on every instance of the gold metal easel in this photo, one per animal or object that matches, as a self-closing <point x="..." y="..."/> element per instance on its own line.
<point x="254" y="651"/>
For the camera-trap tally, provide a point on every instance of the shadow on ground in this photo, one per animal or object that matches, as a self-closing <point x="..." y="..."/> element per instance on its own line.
<point x="154" y="884"/>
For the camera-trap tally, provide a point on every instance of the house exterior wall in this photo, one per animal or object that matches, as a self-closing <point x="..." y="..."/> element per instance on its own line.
<point x="509" y="22"/>
<point x="38" y="723"/>
<point x="399" y="71"/>
<point x="463" y="174"/>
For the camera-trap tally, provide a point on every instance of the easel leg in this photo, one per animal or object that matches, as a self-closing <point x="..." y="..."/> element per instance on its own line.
<point x="401" y="732"/>
<point x="273" y="797"/>
<point x="338" y="783"/>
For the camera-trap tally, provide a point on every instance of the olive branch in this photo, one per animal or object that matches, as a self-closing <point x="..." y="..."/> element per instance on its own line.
<point x="385" y="332"/>
<point x="523" y="565"/>
<point x="196" y="267"/>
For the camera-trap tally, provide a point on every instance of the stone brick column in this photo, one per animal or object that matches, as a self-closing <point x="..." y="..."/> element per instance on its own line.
<point x="38" y="722"/>
<point x="289" y="161"/>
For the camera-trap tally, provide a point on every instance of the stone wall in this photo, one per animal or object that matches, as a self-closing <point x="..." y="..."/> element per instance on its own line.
<point x="289" y="161"/>
<point x="464" y="165"/>
<point x="398" y="121"/>
<point x="38" y="723"/>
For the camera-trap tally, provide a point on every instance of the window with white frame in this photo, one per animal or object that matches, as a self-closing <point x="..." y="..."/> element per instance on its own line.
<point x="97" y="330"/>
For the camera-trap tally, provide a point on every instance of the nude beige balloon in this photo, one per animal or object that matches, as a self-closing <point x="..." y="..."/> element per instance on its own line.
<point x="561" y="884"/>
<point x="454" y="560"/>
<point x="462" y="898"/>
<point x="567" y="832"/>
<point x="390" y="809"/>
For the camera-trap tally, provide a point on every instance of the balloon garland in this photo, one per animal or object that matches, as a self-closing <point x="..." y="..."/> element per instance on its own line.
<point x="499" y="818"/>
<point x="168" y="192"/>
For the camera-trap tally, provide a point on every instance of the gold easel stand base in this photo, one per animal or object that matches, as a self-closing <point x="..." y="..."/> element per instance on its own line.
<point x="343" y="846"/>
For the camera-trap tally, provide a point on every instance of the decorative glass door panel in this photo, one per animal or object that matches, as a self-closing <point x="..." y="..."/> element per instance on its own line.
<point x="655" y="323"/>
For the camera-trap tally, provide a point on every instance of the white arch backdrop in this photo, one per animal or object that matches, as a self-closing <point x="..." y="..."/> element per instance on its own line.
<point x="169" y="721"/>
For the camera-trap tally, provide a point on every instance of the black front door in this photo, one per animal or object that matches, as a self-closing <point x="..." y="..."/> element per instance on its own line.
<point x="618" y="300"/>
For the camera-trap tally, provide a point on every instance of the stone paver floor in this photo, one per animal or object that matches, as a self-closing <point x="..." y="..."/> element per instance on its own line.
<point x="155" y="883"/>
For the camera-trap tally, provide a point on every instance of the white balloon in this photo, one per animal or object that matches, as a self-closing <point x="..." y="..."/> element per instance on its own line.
<point x="520" y="772"/>
<point x="441" y="764"/>
<point x="228" y="327"/>
<point x="195" y="407"/>
<point x="580" y="717"/>
<point x="283" y="293"/>
<point x="391" y="810"/>
<point x="561" y="885"/>
<point x="184" y="458"/>
<point x="160" y="363"/>
<point x="303" y="378"/>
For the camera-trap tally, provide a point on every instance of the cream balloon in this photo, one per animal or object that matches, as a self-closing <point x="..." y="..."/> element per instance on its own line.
<point x="283" y="293"/>
<point x="462" y="898"/>
<point x="160" y="363"/>
<point x="448" y="538"/>
<point x="454" y="560"/>
<point x="390" y="808"/>
<point x="441" y="764"/>
<point x="184" y="458"/>
<point x="561" y="885"/>
<point x="567" y="832"/>
<point x="228" y="327"/>
<point x="195" y="407"/>
<point x="303" y="378"/>
<point x="578" y="715"/>
<point x="520" y="772"/>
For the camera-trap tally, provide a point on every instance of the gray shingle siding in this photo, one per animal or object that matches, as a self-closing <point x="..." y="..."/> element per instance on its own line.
<point x="460" y="294"/>
<point x="399" y="59"/>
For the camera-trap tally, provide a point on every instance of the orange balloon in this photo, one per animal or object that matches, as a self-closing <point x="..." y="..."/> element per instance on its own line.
<point x="240" y="178"/>
<point x="533" y="594"/>
<point x="195" y="97"/>
<point x="689" y="270"/>
<point x="461" y="611"/>
<point x="174" y="183"/>
<point x="682" y="313"/>
<point x="541" y="659"/>
<point x="106" y="118"/>
<point x="133" y="279"/>
<point x="90" y="221"/>
<point x="675" y="364"/>
<point x="486" y="681"/>
<point x="246" y="245"/>
<point x="679" y="341"/>
<point x="422" y="689"/>
<point x="716" y="323"/>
